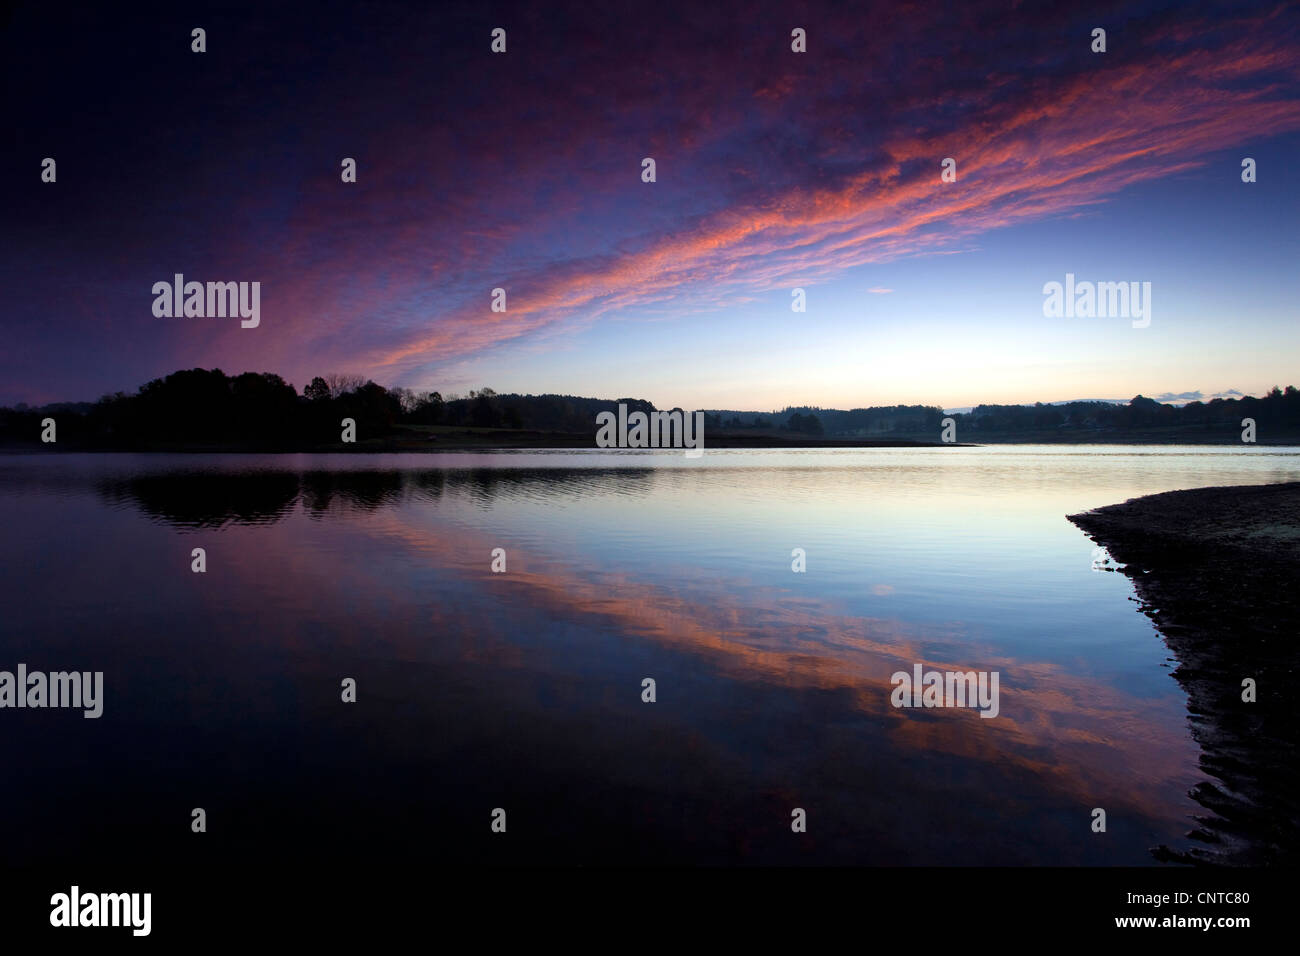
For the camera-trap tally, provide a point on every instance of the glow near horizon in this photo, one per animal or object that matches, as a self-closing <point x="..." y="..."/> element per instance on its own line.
<point x="967" y="328"/>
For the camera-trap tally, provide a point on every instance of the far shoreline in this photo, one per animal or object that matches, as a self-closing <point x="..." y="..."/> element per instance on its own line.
<point x="507" y="440"/>
<point x="478" y="440"/>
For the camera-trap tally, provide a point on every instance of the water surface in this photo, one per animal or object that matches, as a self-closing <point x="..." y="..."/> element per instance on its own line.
<point x="523" y="690"/>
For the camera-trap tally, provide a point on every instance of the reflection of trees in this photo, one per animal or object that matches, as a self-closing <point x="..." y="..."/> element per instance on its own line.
<point x="207" y="499"/>
<point x="214" y="498"/>
<point x="366" y="491"/>
<point x="483" y="485"/>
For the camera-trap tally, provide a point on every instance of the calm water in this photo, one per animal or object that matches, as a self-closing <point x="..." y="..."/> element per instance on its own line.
<point x="522" y="690"/>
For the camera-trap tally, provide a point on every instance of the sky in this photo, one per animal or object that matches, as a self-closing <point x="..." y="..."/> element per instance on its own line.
<point x="774" y="170"/>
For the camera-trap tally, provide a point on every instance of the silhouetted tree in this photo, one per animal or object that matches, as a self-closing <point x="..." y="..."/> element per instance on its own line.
<point x="317" y="391"/>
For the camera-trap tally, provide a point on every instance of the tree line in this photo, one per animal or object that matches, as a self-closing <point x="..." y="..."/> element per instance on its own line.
<point x="262" y="410"/>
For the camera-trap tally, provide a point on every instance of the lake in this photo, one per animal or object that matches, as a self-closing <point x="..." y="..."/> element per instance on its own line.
<point x="523" y="689"/>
